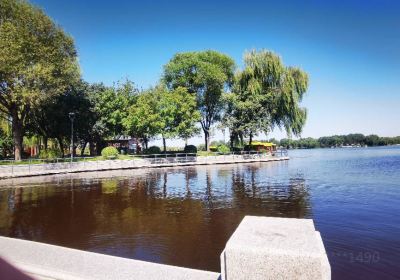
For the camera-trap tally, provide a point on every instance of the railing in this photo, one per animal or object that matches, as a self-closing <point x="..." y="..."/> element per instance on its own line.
<point x="11" y="168"/>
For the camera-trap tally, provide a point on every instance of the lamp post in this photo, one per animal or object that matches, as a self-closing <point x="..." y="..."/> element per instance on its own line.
<point x="72" y="117"/>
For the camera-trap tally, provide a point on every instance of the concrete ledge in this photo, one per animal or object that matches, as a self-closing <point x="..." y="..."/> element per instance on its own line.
<point x="43" y="261"/>
<point x="275" y="248"/>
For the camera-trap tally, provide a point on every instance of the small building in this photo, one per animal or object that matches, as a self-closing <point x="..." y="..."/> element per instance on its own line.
<point x="263" y="146"/>
<point x="126" y="145"/>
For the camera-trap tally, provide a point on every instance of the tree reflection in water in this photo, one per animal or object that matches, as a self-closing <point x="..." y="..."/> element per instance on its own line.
<point x="175" y="216"/>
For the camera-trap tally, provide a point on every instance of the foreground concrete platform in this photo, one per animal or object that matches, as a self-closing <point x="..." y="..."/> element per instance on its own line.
<point x="44" y="261"/>
<point x="260" y="248"/>
<point x="275" y="248"/>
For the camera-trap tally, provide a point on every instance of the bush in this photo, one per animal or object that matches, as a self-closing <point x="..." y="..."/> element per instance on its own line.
<point x="190" y="149"/>
<point x="237" y="149"/>
<point x="153" y="150"/>
<point x="49" y="154"/>
<point x="223" y="149"/>
<point x="109" y="152"/>
<point x="213" y="148"/>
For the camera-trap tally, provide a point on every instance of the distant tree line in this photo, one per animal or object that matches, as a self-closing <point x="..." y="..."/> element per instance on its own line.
<point x="338" y="141"/>
<point x="41" y="84"/>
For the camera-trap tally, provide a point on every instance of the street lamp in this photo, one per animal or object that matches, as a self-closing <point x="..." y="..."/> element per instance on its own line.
<point x="72" y="117"/>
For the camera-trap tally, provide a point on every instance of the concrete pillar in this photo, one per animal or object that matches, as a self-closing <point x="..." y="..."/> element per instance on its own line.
<point x="275" y="248"/>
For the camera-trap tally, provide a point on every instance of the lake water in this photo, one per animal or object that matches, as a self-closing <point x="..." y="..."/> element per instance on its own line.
<point x="184" y="216"/>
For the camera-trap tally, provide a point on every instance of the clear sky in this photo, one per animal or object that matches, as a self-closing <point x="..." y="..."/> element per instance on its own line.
<point x="350" y="49"/>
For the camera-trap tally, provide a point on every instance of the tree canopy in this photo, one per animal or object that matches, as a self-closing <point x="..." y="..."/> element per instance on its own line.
<point x="178" y="113"/>
<point x="266" y="94"/>
<point x="111" y="105"/>
<point x="206" y="74"/>
<point x="353" y="139"/>
<point x="160" y="111"/>
<point x="37" y="60"/>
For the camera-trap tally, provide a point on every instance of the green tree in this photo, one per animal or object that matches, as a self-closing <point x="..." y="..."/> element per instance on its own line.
<point x="178" y="113"/>
<point x="372" y="140"/>
<point x="6" y="144"/>
<point x="111" y="105"/>
<point x="354" y="139"/>
<point x="37" y="60"/>
<point x="266" y="94"/>
<point x="143" y="117"/>
<point x="206" y="74"/>
<point x="74" y="99"/>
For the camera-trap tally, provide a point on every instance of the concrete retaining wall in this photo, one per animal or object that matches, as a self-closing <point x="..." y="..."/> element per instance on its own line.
<point x="23" y="170"/>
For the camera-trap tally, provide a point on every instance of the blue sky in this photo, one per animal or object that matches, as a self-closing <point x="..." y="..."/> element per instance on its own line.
<point x="350" y="49"/>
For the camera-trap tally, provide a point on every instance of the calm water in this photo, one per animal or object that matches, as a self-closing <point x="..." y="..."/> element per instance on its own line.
<point x="184" y="216"/>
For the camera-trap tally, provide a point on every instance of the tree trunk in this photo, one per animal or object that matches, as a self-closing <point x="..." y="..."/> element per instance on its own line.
<point x="61" y="146"/>
<point x="18" y="134"/>
<point x="91" y="149"/>
<point x="251" y="138"/>
<point x="45" y="142"/>
<point x="83" y="149"/>
<point x="164" y="145"/>
<point x="232" y="140"/>
<point x="206" y="140"/>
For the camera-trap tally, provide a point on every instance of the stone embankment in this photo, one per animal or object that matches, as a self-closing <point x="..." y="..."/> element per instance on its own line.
<point x="26" y="170"/>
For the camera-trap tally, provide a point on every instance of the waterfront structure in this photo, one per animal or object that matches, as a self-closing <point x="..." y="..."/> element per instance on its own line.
<point x="263" y="146"/>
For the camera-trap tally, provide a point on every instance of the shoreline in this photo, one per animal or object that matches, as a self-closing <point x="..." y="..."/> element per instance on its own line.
<point x="20" y="171"/>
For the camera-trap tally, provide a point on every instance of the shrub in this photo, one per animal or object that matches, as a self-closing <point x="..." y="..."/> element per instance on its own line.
<point x="247" y="148"/>
<point x="49" y="154"/>
<point x="223" y="149"/>
<point x="109" y="152"/>
<point x="190" y="149"/>
<point x="237" y="149"/>
<point x="213" y="148"/>
<point x="153" y="150"/>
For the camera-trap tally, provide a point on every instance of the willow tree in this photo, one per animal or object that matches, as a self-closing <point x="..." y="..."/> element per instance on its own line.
<point x="37" y="60"/>
<point x="207" y="75"/>
<point x="266" y="94"/>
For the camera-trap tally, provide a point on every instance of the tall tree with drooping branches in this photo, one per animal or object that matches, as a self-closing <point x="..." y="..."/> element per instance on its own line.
<point x="266" y="94"/>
